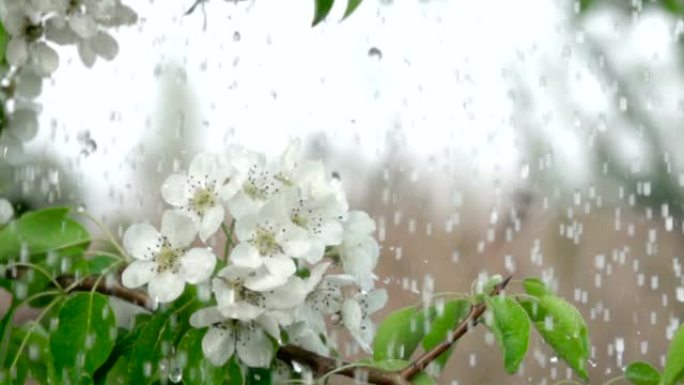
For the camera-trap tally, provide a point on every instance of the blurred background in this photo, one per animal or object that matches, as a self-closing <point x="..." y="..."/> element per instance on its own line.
<point x="535" y="137"/>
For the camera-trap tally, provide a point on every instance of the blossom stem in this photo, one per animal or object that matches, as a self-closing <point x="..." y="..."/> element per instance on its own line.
<point x="229" y="238"/>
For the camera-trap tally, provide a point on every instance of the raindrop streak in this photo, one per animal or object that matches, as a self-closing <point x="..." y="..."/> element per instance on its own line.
<point x="375" y="53"/>
<point x="236" y="36"/>
<point x="88" y="145"/>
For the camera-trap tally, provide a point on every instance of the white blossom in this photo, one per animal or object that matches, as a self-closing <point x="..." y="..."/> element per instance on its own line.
<point x="324" y="297"/>
<point x="6" y="211"/>
<point x="359" y="251"/>
<point x="23" y="22"/>
<point x="249" y="339"/>
<point x="268" y="244"/>
<point x="356" y="312"/>
<point x="164" y="260"/>
<point x="198" y="193"/>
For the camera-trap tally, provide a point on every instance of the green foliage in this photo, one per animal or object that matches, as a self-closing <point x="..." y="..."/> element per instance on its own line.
<point x="38" y="232"/>
<point x="674" y="363"/>
<point x="535" y="287"/>
<point x="158" y="337"/>
<point x="446" y="319"/>
<point x="511" y="327"/>
<point x="399" y="334"/>
<point x="322" y="9"/>
<point x="394" y="364"/>
<point x="563" y="329"/>
<point x="196" y="369"/>
<point x="29" y="356"/>
<point x="642" y="373"/>
<point x="6" y="329"/>
<point x="4" y="39"/>
<point x="84" y="336"/>
<point x="259" y="376"/>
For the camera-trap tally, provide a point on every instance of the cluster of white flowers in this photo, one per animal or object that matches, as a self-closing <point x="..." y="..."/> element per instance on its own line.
<point x="287" y="226"/>
<point x="33" y="27"/>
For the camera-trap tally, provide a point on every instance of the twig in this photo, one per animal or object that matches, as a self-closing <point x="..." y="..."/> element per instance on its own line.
<point x="115" y="289"/>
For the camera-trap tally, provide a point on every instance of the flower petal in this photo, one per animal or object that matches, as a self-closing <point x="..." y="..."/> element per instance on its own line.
<point x="17" y="51"/>
<point x="24" y="124"/>
<point x="203" y="166"/>
<point x="211" y="221"/>
<point x="265" y="281"/>
<point x="83" y="25"/>
<point x="241" y="310"/>
<point x="205" y="317"/>
<point x="104" y="45"/>
<point x="218" y="345"/>
<point x="175" y="191"/>
<point x="254" y="348"/>
<point x="270" y="325"/>
<point x="87" y="53"/>
<point x="375" y="300"/>
<point x="246" y="255"/>
<point x="142" y="241"/>
<point x="289" y="295"/>
<point x="281" y="265"/>
<point x="6" y="211"/>
<point x="197" y="265"/>
<point x="179" y="229"/>
<point x="166" y="287"/>
<point x="45" y="60"/>
<point x="138" y="273"/>
<point x="352" y="318"/>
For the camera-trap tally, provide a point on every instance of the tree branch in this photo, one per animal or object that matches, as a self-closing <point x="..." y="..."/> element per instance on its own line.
<point x="320" y="365"/>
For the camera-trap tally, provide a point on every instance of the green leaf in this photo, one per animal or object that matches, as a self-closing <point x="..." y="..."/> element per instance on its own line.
<point x="34" y="360"/>
<point x="511" y="327"/>
<point x="158" y="336"/>
<point x="642" y="373"/>
<point x="321" y="10"/>
<point x="235" y="376"/>
<point x="399" y="334"/>
<point x="4" y="39"/>
<point x="419" y="379"/>
<point x="351" y="7"/>
<point x="38" y="232"/>
<point x="562" y="327"/>
<point x="6" y="330"/>
<point x="674" y="364"/>
<point x="84" y="336"/>
<point x="444" y="322"/>
<point x="259" y="376"/>
<point x="98" y="264"/>
<point x="197" y="370"/>
<point x="535" y="287"/>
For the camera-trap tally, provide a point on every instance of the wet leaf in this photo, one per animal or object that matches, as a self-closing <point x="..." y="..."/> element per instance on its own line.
<point x="42" y="231"/>
<point x="511" y="327"/>
<point x="85" y="335"/>
<point x="352" y="5"/>
<point x="399" y="334"/>
<point x="197" y="369"/>
<point x="642" y="373"/>
<point x="321" y="10"/>
<point x="259" y="376"/>
<point x="674" y="364"/>
<point x="442" y="323"/>
<point x="562" y="327"/>
<point x="535" y="287"/>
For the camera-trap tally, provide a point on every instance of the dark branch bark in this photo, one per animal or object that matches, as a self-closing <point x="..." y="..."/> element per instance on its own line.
<point x="114" y="289"/>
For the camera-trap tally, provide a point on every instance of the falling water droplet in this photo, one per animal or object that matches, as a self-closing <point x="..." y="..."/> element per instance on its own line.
<point x="237" y="36"/>
<point x="375" y="53"/>
<point x="176" y="375"/>
<point x="88" y="145"/>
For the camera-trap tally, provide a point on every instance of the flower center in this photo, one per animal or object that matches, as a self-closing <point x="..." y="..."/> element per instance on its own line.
<point x="265" y="242"/>
<point x="204" y="199"/>
<point x="32" y="31"/>
<point x="166" y="258"/>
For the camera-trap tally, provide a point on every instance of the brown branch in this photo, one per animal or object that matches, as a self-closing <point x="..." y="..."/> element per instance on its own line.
<point x="320" y="365"/>
<point x="476" y="311"/>
<point x="108" y="287"/>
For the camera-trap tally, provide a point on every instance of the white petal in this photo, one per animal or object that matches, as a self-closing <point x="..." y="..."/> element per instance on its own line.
<point x="246" y="255"/>
<point x="138" y="273"/>
<point x="270" y="325"/>
<point x="211" y="221"/>
<point x="241" y="310"/>
<point x="197" y="265"/>
<point x="142" y="241"/>
<point x="83" y="25"/>
<point x="281" y="265"/>
<point x="316" y="251"/>
<point x="331" y="232"/>
<point x="24" y="124"/>
<point x="166" y="287"/>
<point x="225" y="294"/>
<point x="44" y="59"/>
<point x="6" y="211"/>
<point x="202" y="166"/>
<point x="375" y="300"/>
<point x="59" y="33"/>
<point x="28" y="84"/>
<point x="205" y="317"/>
<point x="254" y="348"/>
<point x="178" y="228"/>
<point x="17" y="51"/>
<point x="316" y="275"/>
<point x="218" y="345"/>
<point x="245" y="228"/>
<point x="287" y="296"/>
<point x="313" y="318"/>
<point x="240" y="205"/>
<point x="359" y="222"/>
<point x="352" y="319"/>
<point x="104" y="45"/>
<point x="175" y="191"/>
<point x="265" y="281"/>
<point x="87" y="54"/>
